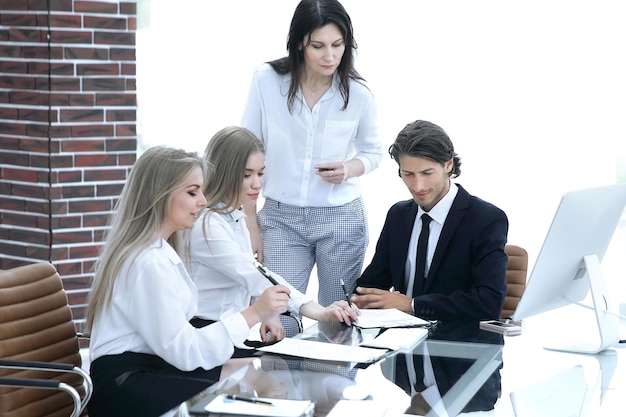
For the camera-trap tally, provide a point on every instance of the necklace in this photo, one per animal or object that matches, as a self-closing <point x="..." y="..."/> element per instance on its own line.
<point x="314" y="92"/>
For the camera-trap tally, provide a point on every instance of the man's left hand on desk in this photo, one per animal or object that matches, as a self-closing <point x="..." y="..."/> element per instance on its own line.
<point x="377" y="298"/>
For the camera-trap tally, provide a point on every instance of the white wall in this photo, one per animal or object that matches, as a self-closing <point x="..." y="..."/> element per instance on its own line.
<point x="532" y="93"/>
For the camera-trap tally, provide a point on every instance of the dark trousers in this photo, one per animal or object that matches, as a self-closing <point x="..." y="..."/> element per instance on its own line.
<point x="141" y="385"/>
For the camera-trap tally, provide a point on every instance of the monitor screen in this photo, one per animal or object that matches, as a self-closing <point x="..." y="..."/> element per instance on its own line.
<point x="584" y="224"/>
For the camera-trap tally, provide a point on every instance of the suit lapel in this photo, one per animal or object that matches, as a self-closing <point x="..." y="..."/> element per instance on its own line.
<point x="454" y="218"/>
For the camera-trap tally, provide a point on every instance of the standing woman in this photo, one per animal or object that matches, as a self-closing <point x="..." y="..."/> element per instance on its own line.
<point x="217" y="251"/>
<point x="317" y="120"/>
<point x="146" y="358"/>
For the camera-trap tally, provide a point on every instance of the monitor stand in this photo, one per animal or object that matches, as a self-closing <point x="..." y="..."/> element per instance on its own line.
<point x="607" y="320"/>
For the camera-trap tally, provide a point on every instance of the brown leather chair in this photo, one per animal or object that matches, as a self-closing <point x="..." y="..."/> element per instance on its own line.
<point x="39" y="346"/>
<point x="516" y="271"/>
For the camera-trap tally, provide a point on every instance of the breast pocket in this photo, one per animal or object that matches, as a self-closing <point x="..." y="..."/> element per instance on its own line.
<point x="338" y="137"/>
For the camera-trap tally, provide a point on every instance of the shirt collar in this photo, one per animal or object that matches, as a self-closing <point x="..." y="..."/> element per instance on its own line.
<point x="442" y="208"/>
<point x="170" y="253"/>
<point x="235" y="215"/>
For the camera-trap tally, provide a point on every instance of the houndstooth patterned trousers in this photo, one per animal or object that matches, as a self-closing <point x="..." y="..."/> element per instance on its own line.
<point x="332" y="238"/>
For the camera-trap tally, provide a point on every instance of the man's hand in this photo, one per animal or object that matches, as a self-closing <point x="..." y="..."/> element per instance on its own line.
<point x="376" y="298"/>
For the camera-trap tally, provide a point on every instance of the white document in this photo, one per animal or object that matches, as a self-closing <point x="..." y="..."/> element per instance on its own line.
<point x="279" y="407"/>
<point x="388" y="317"/>
<point x="332" y="352"/>
<point x="398" y="338"/>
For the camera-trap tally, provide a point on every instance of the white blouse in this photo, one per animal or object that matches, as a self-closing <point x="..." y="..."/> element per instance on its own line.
<point x="219" y="258"/>
<point x="296" y="141"/>
<point x="153" y="300"/>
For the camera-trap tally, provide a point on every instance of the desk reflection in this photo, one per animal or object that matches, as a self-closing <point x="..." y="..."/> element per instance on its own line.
<point x="447" y="366"/>
<point x="271" y="376"/>
<point x="465" y="365"/>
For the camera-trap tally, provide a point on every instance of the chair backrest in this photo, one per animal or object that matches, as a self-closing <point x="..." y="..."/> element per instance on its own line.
<point x="36" y="325"/>
<point x="516" y="271"/>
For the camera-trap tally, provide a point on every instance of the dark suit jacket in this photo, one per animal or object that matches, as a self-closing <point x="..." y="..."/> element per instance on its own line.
<point x="467" y="276"/>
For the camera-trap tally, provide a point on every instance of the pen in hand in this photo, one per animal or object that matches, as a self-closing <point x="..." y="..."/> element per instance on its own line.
<point x="247" y="399"/>
<point x="266" y="273"/>
<point x="343" y="287"/>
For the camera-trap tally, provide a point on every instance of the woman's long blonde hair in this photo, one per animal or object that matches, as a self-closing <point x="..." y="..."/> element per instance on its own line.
<point x="139" y="214"/>
<point x="227" y="155"/>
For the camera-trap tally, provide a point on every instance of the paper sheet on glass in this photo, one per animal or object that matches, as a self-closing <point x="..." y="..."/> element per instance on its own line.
<point x="280" y="407"/>
<point x="311" y="349"/>
<point x="399" y="338"/>
<point x="388" y="317"/>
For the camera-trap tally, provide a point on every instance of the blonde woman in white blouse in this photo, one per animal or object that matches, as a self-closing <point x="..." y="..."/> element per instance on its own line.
<point x="217" y="251"/>
<point x="146" y="358"/>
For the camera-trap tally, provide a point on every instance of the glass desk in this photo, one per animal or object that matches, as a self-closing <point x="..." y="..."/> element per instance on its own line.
<point x="457" y="366"/>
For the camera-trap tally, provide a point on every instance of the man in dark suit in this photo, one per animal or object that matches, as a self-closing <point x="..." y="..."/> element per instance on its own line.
<point x="449" y="266"/>
<point x="464" y="272"/>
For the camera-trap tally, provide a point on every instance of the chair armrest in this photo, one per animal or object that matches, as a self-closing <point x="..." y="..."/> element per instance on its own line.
<point x="49" y="384"/>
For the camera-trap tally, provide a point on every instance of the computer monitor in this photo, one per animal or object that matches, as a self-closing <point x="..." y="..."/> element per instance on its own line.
<point x="568" y="265"/>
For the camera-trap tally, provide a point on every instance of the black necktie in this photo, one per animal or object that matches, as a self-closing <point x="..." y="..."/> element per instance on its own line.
<point x="420" y="264"/>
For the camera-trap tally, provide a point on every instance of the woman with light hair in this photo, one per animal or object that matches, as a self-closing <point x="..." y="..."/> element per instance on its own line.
<point x="146" y="358"/>
<point x="218" y="252"/>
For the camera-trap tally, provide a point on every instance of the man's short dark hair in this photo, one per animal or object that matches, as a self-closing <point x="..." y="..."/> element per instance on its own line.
<point x="424" y="139"/>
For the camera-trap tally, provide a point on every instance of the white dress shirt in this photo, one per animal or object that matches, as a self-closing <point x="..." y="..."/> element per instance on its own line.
<point x="438" y="215"/>
<point x="152" y="302"/>
<point x="221" y="264"/>
<point x="296" y="141"/>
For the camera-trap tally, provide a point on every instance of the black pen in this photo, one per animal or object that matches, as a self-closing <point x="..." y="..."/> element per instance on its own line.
<point x="343" y="287"/>
<point x="266" y="273"/>
<point x="247" y="399"/>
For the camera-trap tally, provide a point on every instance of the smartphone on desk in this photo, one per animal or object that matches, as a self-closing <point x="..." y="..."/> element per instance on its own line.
<point x="504" y="327"/>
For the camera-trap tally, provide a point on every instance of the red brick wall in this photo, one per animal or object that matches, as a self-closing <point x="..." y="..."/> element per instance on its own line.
<point x="67" y="130"/>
